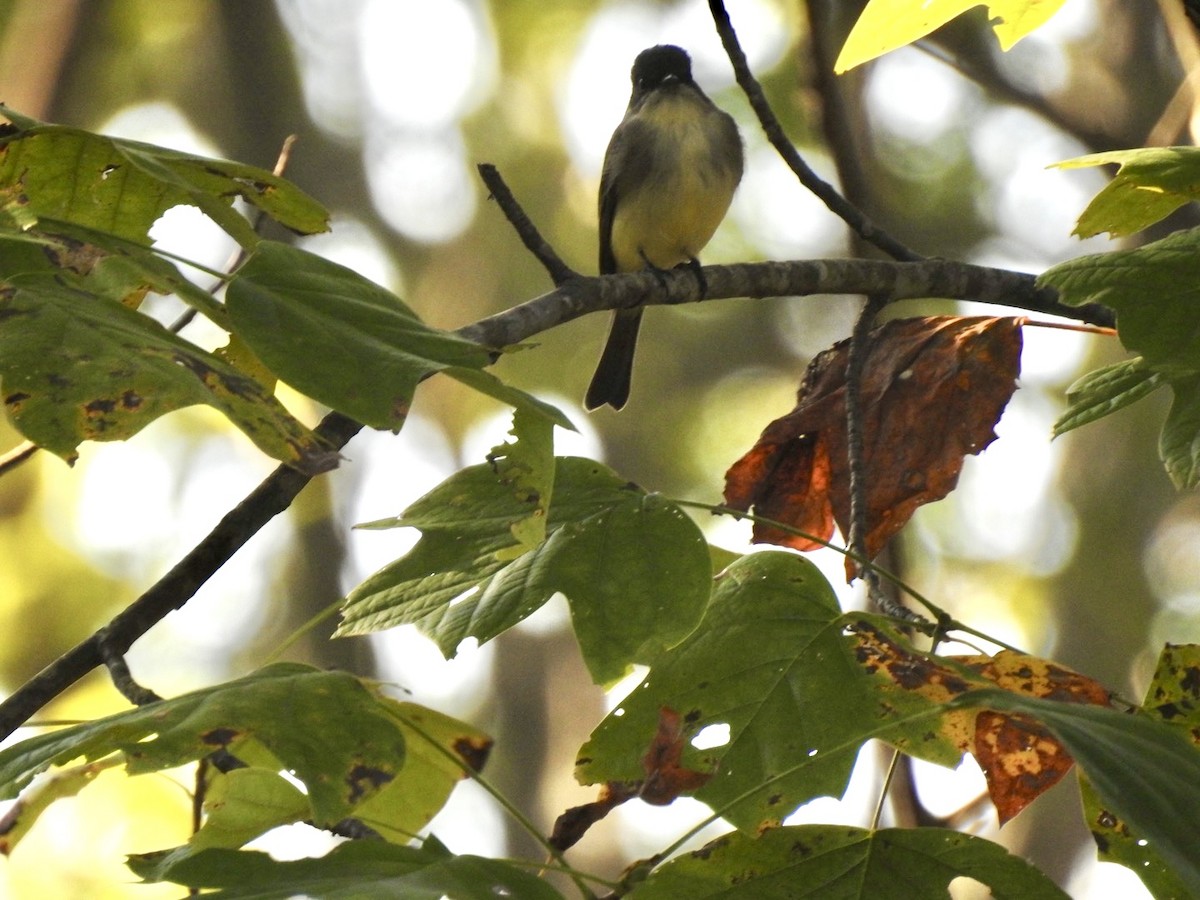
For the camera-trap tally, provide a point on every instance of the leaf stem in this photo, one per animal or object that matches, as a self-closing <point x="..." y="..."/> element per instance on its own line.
<point x="944" y="622"/>
<point x="519" y="817"/>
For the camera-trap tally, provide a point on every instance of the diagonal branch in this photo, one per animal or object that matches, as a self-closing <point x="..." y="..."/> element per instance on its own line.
<point x="175" y="588"/>
<point x="854" y="217"/>
<point x="558" y="270"/>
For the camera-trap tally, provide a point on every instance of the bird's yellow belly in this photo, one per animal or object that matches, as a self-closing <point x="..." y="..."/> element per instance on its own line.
<point x="670" y="220"/>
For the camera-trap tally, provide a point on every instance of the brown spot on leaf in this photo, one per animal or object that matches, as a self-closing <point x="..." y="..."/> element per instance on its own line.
<point x="473" y="751"/>
<point x="220" y="737"/>
<point x="1190" y="681"/>
<point x="573" y="824"/>
<point x="363" y="780"/>
<point x="99" y="407"/>
<point x="666" y="779"/>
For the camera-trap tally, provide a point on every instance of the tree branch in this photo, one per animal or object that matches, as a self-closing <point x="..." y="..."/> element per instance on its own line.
<point x="856" y="358"/>
<point x="855" y="218"/>
<point x="558" y="270"/>
<point x="175" y="588"/>
<point x="576" y="297"/>
<point x="933" y="278"/>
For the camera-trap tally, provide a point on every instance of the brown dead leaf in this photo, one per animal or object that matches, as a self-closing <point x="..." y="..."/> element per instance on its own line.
<point x="665" y="780"/>
<point x="933" y="389"/>
<point x="572" y="825"/>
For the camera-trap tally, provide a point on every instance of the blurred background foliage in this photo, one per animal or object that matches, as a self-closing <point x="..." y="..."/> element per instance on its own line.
<point x="1076" y="549"/>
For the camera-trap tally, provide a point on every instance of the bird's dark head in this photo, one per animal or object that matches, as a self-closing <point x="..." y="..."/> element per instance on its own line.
<point x="658" y="65"/>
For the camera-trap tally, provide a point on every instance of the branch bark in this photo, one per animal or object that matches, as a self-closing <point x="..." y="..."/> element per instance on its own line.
<point x="934" y="278"/>
<point x="574" y="298"/>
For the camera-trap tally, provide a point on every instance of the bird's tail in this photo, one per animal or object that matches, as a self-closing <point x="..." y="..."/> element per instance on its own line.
<point x="610" y="384"/>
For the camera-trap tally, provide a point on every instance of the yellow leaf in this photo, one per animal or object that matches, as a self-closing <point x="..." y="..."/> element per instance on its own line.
<point x="886" y="25"/>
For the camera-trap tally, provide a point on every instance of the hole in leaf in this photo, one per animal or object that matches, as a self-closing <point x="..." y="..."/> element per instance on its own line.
<point x="711" y="736"/>
<point x="964" y="888"/>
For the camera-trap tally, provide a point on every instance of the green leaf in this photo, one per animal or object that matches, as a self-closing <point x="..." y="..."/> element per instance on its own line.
<point x="526" y="464"/>
<point x="837" y="863"/>
<point x="338" y="337"/>
<point x="1174" y="692"/>
<point x="1146" y="772"/>
<point x="78" y="366"/>
<point x="636" y="576"/>
<point x="1150" y="184"/>
<point x="634" y="568"/>
<point x="1174" y="698"/>
<point x="1104" y="391"/>
<point x="333" y="733"/>
<point x="886" y="25"/>
<point x="244" y="803"/>
<point x="19" y="818"/>
<point x="351" y="871"/>
<point x="123" y="186"/>
<point x="488" y="384"/>
<point x="247" y="802"/>
<point x="1155" y="291"/>
<point x="239" y="806"/>
<point x="772" y="662"/>
<point x="1116" y="843"/>
<point x="466" y="534"/>
<point x="135" y="262"/>
<point x="439" y="752"/>
<point x="1179" y="441"/>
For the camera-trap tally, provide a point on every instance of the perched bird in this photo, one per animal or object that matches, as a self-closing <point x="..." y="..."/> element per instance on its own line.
<point x="669" y="175"/>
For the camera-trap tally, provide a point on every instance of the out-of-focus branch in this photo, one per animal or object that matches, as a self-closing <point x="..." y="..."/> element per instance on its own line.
<point x="17" y="456"/>
<point x="836" y="122"/>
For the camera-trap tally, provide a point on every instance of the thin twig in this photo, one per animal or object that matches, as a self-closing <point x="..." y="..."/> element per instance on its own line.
<point x="856" y="360"/>
<point x="888" y="775"/>
<point x="825" y="192"/>
<point x="118" y="671"/>
<point x="558" y="270"/>
<point x="239" y="255"/>
<point x="15" y="457"/>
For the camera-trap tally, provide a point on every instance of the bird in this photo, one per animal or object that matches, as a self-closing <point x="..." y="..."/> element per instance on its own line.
<point x="670" y="171"/>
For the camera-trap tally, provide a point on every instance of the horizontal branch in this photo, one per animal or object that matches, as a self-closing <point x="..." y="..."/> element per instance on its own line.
<point x="576" y="297"/>
<point x="927" y="279"/>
